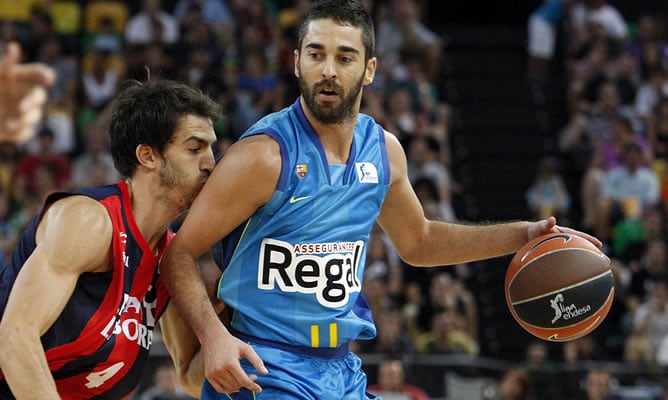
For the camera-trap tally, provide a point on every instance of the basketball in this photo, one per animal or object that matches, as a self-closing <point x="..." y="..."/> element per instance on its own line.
<point x="559" y="287"/>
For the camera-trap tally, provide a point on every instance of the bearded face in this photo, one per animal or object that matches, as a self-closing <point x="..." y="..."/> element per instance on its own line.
<point x="178" y="181"/>
<point x="331" y="112"/>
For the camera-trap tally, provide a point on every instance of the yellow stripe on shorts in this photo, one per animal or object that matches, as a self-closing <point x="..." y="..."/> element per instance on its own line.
<point x="333" y="338"/>
<point x="315" y="336"/>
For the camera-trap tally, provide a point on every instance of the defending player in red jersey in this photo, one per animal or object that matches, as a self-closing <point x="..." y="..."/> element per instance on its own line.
<point x="82" y="293"/>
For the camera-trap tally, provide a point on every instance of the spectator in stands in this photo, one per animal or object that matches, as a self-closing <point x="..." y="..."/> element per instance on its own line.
<point x="196" y="33"/>
<point x="515" y="384"/>
<point x="651" y="267"/>
<point x="400" y="112"/>
<point x="650" y="322"/>
<point x="392" y="383"/>
<point x="627" y="190"/>
<point x="381" y="264"/>
<point x="95" y="157"/>
<point x="60" y="122"/>
<point x="652" y="90"/>
<point x="447" y="292"/>
<point x="597" y="384"/>
<point x="658" y="137"/>
<point x="103" y="76"/>
<point x="66" y="66"/>
<point x="258" y="91"/>
<point x="39" y="28"/>
<point x="152" y="24"/>
<point x="392" y="337"/>
<point x="375" y="292"/>
<point x="608" y="153"/>
<point x="595" y="13"/>
<point x="537" y="357"/>
<point x="543" y="26"/>
<point x="215" y="12"/>
<point x="405" y="30"/>
<point x="548" y="195"/>
<point x="29" y="164"/>
<point x="424" y="162"/>
<point x="586" y="348"/>
<point x="165" y="385"/>
<point x="447" y="335"/>
<point x="592" y="124"/>
<point x="414" y="302"/>
<point x="649" y="36"/>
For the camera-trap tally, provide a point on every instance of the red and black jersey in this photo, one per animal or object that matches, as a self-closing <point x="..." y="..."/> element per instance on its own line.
<point x="98" y="346"/>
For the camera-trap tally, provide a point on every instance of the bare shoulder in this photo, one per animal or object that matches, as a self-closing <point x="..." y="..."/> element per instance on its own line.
<point x="76" y="230"/>
<point x="78" y="210"/>
<point x="396" y="155"/>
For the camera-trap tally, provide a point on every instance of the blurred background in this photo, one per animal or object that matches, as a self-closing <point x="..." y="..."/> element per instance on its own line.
<point x="507" y="110"/>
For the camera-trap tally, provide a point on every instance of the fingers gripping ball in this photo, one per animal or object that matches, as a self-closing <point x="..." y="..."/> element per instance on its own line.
<point x="559" y="287"/>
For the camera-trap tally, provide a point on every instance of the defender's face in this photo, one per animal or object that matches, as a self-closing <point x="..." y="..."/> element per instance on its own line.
<point x="188" y="160"/>
<point x="331" y="70"/>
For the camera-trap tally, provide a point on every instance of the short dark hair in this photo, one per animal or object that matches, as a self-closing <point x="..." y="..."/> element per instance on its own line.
<point x="344" y="12"/>
<point x="149" y="113"/>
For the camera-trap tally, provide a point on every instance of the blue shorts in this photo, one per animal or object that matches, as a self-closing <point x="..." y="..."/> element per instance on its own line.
<point x="295" y="376"/>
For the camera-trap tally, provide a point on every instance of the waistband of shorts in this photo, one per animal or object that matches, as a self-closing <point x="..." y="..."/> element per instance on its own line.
<point x="318" y="352"/>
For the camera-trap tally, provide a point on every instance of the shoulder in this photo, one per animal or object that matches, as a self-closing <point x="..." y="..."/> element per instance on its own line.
<point x="77" y="209"/>
<point x="259" y="149"/>
<point x="78" y="215"/>
<point x="257" y="158"/>
<point x="78" y="230"/>
<point x="395" y="150"/>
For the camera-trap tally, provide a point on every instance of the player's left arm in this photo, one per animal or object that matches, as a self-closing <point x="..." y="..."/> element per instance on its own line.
<point x="72" y="238"/>
<point x="183" y="348"/>
<point x="422" y="242"/>
<point x="182" y="343"/>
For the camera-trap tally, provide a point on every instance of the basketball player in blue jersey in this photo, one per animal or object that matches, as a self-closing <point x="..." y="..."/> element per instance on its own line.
<point x="82" y="292"/>
<point x="292" y="204"/>
<point x="22" y="96"/>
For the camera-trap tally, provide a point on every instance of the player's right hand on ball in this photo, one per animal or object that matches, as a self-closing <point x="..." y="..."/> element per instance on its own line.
<point x="222" y="367"/>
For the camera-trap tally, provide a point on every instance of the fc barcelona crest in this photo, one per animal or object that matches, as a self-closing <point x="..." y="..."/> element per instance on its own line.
<point x="301" y="169"/>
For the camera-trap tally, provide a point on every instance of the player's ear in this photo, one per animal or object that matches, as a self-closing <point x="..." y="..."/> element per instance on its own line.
<point x="146" y="156"/>
<point x="295" y="57"/>
<point x="370" y="72"/>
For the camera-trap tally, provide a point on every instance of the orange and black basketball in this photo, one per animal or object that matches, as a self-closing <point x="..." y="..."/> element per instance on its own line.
<point x="559" y="287"/>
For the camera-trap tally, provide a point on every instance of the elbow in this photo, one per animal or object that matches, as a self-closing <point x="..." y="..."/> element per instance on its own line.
<point x="414" y="251"/>
<point x="414" y="257"/>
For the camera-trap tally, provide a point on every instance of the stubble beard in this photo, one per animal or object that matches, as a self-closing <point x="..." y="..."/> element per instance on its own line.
<point x="335" y="114"/>
<point x="176" y="180"/>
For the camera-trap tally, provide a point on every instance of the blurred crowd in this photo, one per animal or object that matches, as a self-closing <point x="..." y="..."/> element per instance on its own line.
<point x="240" y="53"/>
<point x="613" y="148"/>
<point x="607" y="174"/>
<point x="614" y="145"/>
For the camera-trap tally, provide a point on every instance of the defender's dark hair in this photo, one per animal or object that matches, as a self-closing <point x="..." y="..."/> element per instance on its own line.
<point x="148" y="113"/>
<point x="344" y="12"/>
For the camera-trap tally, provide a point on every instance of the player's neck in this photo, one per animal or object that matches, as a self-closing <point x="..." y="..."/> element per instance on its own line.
<point x="336" y="139"/>
<point x="150" y="215"/>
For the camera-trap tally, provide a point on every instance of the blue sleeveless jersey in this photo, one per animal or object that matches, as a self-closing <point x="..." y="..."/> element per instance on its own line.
<point x="98" y="346"/>
<point x="293" y="273"/>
